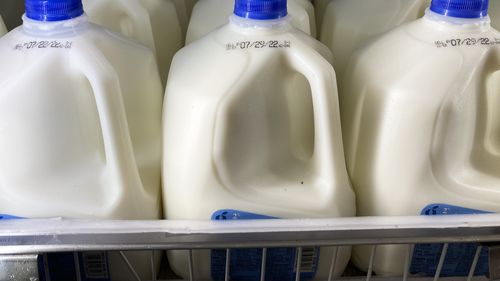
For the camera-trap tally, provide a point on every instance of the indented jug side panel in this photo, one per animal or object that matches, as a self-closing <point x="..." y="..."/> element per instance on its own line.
<point x="41" y="136"/>
<point x="190" y="110"/>
<point x="142" y="97"/>
<point x="269" y="129"/>
<point x="265" y="136"/>
<point x="391" y="122"/>
<point x="490" y="104"/>
<point x="467" y="144"/>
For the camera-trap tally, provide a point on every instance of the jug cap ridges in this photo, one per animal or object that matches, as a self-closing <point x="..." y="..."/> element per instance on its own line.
<point x="260" y="9"/>
<point x="461" y="8"/>
<point x="53" y="10"/>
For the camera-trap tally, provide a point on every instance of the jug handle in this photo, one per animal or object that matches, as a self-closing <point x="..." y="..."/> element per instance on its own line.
<point x="113" y="120"/>
<point x="327" y="129"/>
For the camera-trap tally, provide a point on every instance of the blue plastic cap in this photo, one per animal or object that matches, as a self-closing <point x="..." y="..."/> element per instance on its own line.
<point x="260" y="9"/>
<point x="461" y="8"/>
<point x="53" y="10"/>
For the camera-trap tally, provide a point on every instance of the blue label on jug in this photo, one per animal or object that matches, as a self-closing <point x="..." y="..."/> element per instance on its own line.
<point x="8" y="217"/>
<point x="459" y="257"/>
<point x="245" y="264"/>
<point x="87" y="266"/>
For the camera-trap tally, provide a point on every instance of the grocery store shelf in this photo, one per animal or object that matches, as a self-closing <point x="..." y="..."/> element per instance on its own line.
<point x="58" y="235"/>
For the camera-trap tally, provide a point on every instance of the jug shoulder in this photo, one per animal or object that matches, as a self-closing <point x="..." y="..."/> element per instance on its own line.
<point x="421" y="45"/>
<point x="228" y="51"/>
<point x="205" y="68"/>
<point x="314" y="44"/>
<point x="120" y="52"/>
<point x="118" y="41"/>
<point x="130" y="61"/>
<point x="92" y="34"/>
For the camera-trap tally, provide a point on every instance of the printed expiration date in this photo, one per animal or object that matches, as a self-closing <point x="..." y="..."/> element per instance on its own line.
<point x="243" y="45"/>
<point x="458" y="42"/>
<point x="44" y="44"/>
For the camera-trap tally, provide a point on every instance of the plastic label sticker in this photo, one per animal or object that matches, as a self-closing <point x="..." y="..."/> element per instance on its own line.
<point x="88" y="266"/>
<point x="459" y="257"/>
<point x="245" y="264"/>
<point x="8" y="217"/>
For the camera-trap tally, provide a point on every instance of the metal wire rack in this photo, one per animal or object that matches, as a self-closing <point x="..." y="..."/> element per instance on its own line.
<point x="22" y="241"/>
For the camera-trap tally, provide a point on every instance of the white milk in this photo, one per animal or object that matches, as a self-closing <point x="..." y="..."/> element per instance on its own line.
<point x="420" y="118"/>
<point x="252" y="127"/>
<point x="3" y="29"/>
<point x="158" y="24"/>
<point x="80" y="112"/>
<point x="349" y="24"/>
<point x="209" y="15"/>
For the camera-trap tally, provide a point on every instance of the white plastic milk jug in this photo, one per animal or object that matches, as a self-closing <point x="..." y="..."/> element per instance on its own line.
<point x="209" y="15"/>
<point x="158" y="24"/>
<point x="349" y="24"/>
<point x="252" y="131"/>
<point x="80" y="129"/>
<point x="189" y="6"/>
<point x="3" y="29"/>
<point x="420" y="116"/>
<point x="494" y="12"/>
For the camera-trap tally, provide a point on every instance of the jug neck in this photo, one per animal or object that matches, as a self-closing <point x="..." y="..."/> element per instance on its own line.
<point x="246" y="25"/>
<point x="464" y="24"/>
<point x="63" y="28"/>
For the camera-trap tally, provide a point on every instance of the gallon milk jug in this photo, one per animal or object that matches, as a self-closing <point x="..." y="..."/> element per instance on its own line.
<point x="421" y="122"/>
<point x="349" y="24"/>
<point x="80" y="129"/>
<point x="158" y="24"/>
<point x="3" y="29"/>
<point x="209" y="15"/>
<point x="252" y="131"/>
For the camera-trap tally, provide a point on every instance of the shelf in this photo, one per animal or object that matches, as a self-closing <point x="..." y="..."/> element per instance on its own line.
<point x="57" y="235"/>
